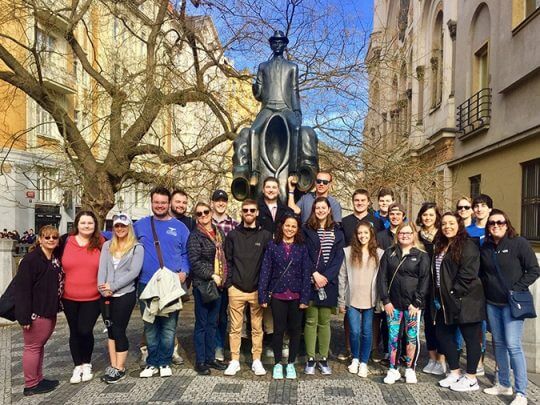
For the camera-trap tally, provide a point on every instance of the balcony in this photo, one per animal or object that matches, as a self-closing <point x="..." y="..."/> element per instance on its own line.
<point x="57" y="78"/>
<point x="474" y="115"/>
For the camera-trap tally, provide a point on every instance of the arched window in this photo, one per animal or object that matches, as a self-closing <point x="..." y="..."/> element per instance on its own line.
<point x="437" y="61"/>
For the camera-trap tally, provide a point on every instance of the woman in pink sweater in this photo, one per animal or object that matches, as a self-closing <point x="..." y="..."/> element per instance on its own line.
<point x="80" y="261"/>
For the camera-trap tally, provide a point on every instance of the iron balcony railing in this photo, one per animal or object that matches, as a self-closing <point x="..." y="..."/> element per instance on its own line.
<point x="474" y="113"/>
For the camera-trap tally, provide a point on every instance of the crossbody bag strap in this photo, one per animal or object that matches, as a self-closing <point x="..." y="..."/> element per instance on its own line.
<point x="395" y="272"/>
<point x="280" y="277"/>
<point x="156" y="243"/>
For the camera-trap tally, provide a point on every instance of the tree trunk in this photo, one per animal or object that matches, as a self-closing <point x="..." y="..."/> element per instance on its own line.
<point x="98" y="195"/>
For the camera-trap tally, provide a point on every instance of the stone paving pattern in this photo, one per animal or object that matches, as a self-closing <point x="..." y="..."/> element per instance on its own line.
<point x="186" y="387"/>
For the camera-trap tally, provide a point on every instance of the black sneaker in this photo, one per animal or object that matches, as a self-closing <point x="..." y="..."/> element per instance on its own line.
<point x="217" y="365"/>
<point x="115" y="376"/>
<point x="202" y="369"/>
<point x="43" y="387"/>
<point x="107" y="374"/>
<point x="344" y="356"/>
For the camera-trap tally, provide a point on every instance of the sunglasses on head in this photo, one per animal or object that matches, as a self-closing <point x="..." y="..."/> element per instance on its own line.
<point x="201" y="213"/>
<point x="49" y="237"/>
<point x="492" y="223"/>
<point x="323" y="181"/>
<point x="121" y="217"/>
<point x="463" y="207"/>
<point x="250" y="210"/>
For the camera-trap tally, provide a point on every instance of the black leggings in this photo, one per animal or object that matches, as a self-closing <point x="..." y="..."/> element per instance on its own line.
<point x="429" y="329"/>
<point x="81" y="317"/>
<point x="287" y="317"/>
<point x="446" y="338"/>
<point x="119" y="312"/>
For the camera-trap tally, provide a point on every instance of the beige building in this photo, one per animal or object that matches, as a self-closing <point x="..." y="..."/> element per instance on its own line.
<point x="37" y="182"/>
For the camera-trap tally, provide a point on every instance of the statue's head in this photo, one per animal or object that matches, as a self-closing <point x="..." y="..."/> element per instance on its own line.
<point x="278" y="42"/>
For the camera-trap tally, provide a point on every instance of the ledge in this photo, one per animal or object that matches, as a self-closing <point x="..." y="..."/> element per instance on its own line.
<point x="474" y="132"/>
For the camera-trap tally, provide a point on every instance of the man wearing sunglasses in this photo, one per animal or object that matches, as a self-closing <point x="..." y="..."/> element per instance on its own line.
<point x="222" y="220"/>
<point x="172" y="235"/>
<point x="322" y="189"/>
<point x="244" y="249"/>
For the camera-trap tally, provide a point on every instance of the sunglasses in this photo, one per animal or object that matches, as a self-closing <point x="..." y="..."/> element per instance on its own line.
<point x="322" y="181"/>
<point x="49" y="237"/>
<point x="201" y="213"/>
<point x="250" y="210"/>
<point x="463" y="207"/>
<point x="121" y="217"/>
<point x="499" y="223"/>
<point x="120" y="226"/>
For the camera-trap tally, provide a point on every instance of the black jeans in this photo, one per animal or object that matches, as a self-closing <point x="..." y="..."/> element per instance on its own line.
<point x="287" y="317"/>
<point x="471" y="335"/>
<point x="429" y="329"/>
<point x="119" y="313"/>
<point x="81" y="317"/>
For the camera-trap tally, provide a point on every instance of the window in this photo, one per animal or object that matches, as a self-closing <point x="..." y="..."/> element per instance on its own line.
<point x="46" y="183"/>
<point x="44" y="123"/>
<point x="475" y="182"/>
<point x="481" y="69"/>
<point x="142" y="195"/>
<point x="531" y="6"/>
<point x="523" y="9"/>
<point x="45" y="45"/>
<point x="530" y="200"/>
<point x="437" y="62"/>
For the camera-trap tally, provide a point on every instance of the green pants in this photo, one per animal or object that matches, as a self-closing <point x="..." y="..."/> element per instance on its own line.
<point x="317" y="326"/>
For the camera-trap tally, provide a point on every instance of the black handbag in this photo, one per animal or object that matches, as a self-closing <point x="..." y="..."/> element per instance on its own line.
<point x="7" y="302"/>
<point x="521" y="302"/>
<point x="209" y="291"/>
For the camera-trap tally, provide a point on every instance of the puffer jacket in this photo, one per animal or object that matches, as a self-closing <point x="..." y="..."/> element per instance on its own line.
<point x="407" y="284"/>
<point x="201" y="255"/>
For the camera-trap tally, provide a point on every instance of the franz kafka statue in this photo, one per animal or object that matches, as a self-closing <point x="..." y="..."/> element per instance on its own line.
<point x="276" y="144"/>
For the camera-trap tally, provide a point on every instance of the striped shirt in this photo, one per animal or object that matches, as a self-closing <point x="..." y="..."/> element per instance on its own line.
<point x="327" y="238"/>
<point x="438" y="261"/>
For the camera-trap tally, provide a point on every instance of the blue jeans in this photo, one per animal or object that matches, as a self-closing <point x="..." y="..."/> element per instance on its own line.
<point x="159" y="336"/>
<point x="361" y="324"/>
<point x="222" y="320"/>
<point x="507" y="332"/>
<point x="206" y="322"/>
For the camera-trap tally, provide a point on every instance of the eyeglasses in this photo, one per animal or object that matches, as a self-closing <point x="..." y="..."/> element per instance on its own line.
<point x="201" y="213"/>
<point x="121" y="217"/>
<point x="405" y="233"/>
<point x="463" y="207"/>
<point x="493" y="223"/>
<point x="250" y="210"/>
<point x="49" y="237"/>
<point x="322" y="181"/>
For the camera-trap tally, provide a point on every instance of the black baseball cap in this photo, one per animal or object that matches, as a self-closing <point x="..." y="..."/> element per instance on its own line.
<point x="220" y="195"/>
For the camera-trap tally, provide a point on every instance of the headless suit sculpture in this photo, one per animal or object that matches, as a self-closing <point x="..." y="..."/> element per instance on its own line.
<point x="276" y="144"/>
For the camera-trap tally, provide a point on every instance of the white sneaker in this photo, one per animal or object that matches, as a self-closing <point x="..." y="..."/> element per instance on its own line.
<point x="520" y="399"/>
<point x="76" y="377"/>
<point x="438" y="368"/>
<point x="258" y="368"/>
<point x="449" y="380"/>
<point x="220" y="356"/>
<point x="232" y="368"/>
<point x="86" y="372"/>
<point x="149" y="371"/>
<point x="465" y="384"/>
<point x="165" y="371"/>
<point x="353" y="367"/>
<point x="392" y="376"/>
<point x="428" y="369"/>
<point x="176" y="358"/>
<point x="498" y="389"/>
<point x="410" y="376"/>
<point x="363" y="370"/>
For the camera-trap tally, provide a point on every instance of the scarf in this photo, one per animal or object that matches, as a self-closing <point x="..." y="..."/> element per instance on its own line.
<point x="220" y="263"/>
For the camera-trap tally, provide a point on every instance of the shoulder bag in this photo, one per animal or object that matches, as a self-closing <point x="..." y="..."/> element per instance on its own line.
<point x="521" y="302"/>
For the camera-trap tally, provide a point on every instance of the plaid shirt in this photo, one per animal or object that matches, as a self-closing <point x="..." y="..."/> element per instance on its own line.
<point x="227" y="225"/>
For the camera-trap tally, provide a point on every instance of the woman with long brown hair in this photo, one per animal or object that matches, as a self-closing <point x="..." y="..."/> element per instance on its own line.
<point x="80" y="252"/>
<point x="458" y="300"/>
<point x="38" y="289"/>
<point x="358" y="293"/>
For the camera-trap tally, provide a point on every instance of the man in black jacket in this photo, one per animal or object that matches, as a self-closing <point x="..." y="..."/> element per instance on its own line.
<point x="361" y="203"/>
<point x="179" y="204"/>
<point x="244" y="249"/>
<point x="271" y="209"/>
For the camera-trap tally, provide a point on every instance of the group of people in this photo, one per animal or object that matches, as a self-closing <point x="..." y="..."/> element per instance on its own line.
<point x="294" y="266"/>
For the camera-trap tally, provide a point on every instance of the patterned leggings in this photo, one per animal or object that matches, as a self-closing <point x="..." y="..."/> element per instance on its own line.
<point x="395" y="331"/>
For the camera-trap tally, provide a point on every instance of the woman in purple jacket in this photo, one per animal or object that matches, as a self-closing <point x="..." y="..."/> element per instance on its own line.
<point x="285" y="283"/>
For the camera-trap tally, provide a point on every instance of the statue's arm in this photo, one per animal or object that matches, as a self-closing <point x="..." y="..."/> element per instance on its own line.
<point x="258" y="84"/>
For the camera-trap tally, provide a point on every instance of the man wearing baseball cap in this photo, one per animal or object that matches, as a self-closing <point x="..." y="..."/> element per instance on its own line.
<point x="223" y="221"/>
<point x="396" y="215"/>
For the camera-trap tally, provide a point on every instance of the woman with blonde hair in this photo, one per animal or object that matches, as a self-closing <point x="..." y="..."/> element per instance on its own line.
<point x="464" y="209"/>
<point x="119" y="265"/>
<point x="403" y="282"/>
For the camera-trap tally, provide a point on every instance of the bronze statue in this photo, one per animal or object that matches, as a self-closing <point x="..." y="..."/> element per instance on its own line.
<point x="276" y="144"/>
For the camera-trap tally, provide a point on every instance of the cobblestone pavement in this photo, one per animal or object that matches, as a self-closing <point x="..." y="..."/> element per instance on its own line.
<point x="185" y="386"/>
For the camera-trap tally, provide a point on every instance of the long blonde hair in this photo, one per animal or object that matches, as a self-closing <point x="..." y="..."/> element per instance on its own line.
<point x="131" y="240"/>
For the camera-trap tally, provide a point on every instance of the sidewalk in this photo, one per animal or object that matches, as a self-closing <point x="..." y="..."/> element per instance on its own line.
<point x="185" y="386"/>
